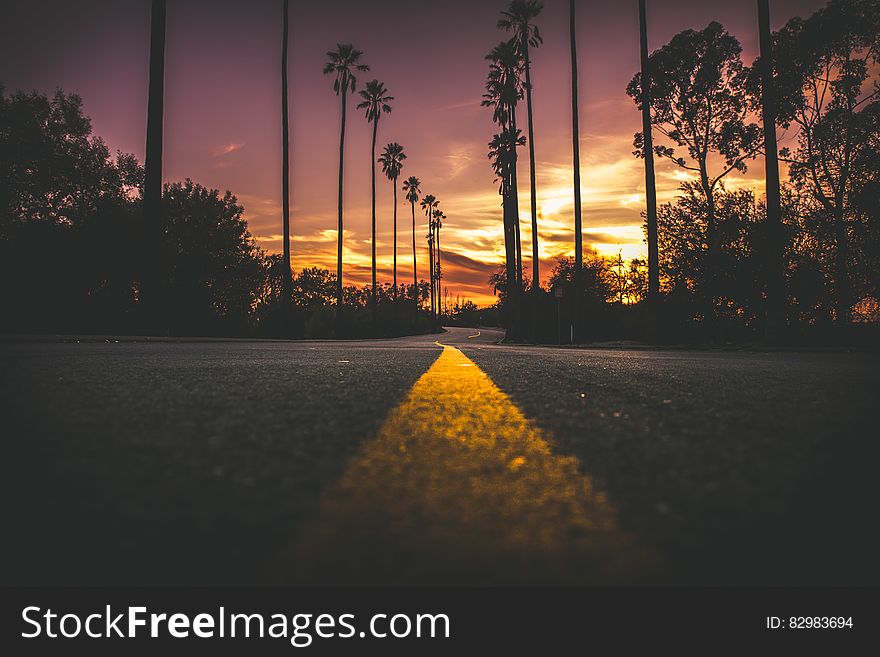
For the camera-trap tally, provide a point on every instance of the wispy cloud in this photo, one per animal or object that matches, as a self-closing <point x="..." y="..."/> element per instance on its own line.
<point x="226" y="149"/>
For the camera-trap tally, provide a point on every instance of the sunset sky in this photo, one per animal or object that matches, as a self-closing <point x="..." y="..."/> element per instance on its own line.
<point x="222" y="113"/>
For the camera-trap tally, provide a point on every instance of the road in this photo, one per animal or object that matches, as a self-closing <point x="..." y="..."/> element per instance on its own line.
<point x="457" y="462"/>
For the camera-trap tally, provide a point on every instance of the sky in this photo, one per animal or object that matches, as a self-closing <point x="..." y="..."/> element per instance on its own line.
<point x="223" y="117"/>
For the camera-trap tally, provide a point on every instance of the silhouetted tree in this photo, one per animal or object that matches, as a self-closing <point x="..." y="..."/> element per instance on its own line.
<point x="575" y="150"/>
<point x="519" y="19"/>
<point x="647" y="152"/>
<point x="698" y="96"/>
<point x="822" y="65"/>
<point x="214" y="268"/>
<point x="68" y="220"/>
<point x="429" y="204"/>
<point x="411" y="187"/>
<point x="154" y="294"/>
<point x="774" y="248"/>
<point x="285" y="161"/>
<point x="438" y="271"/>
<point x="392" y="163"/>
<point x="503" y="91"/>
<point x="343" y="63"/>
<point x="375" y="102"/>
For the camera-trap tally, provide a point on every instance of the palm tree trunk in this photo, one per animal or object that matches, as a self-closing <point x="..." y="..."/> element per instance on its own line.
<point x="339" y="219"/>
<point x="285" y="165"/>
<point x="536" y="266"/>
<point x="431" y="269"/>
<point x="439" y="273"/>
<point x="576" y="166"/>
<point x="515" y="289"/>
<point x="415" y="270"/>
<point x="394" y="182"/>
<point x="154" y="271"/>
<point x="648" y="149"/>
<point x="373" y="215"/>
<point x="775" y="265"/>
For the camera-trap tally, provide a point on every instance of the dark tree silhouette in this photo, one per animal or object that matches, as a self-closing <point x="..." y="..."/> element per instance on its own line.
<point x="375" y="102"/>
<point x="411" y="187"/>
<point x="429" y="204"/>
<point x="503" y="91"/>
<point x="343" y="63"/>
<point x="822" y="66"/>
<point x="576" y="158"/>
<point x="775" y="253"/>
<point x="285" y="162"/>
<point x="519" y="19"/>
<point x="438" y="271"/>
<point x="648" y="153"/>
<point x="697" y="87"/>
<point x="392" y="163"/>
<point x="152" y="223"/>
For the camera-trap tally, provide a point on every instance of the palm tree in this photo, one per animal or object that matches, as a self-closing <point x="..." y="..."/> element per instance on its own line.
<point x="343" y="63"/>
<point x="775" y="252"/>
<point x="648" y="151"/>
<point x="429" y="204"/>
<point x="392" y="162"/>
<point x="519" y="19"/>
<point x="286" y="283"/>
<point x="503" y="92"/>
<point x="576" y="166"/>
<point x="430" y="238"/>
<point x="375" y="102"/>
<point x="411" y="187"/>
<point x="439" y="216"/>
<point x="154" y="271"/>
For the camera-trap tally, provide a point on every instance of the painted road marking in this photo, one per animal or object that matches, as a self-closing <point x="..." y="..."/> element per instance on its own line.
<point x="458" y="486"/>
<point x="475" y="335"/>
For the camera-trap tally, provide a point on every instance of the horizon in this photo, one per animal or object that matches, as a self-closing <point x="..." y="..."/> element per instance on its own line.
<point x="222" y="117"/>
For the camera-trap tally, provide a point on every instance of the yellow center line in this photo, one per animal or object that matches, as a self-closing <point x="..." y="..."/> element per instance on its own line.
<point x="475" y="335"/>
<point x="458" y="486"/>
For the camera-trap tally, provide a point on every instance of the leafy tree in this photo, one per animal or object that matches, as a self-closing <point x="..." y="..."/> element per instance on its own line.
<point x="828" y="87"/>
<point x="699" y="102"/>
<point x="214" y="267"/>
<point x="67" y="220"/>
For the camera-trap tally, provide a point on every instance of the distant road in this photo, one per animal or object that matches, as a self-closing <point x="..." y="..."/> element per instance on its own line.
<point x="408" y="461"/>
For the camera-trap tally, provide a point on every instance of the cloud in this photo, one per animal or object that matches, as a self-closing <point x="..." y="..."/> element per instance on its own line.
<point x="226" y="149"/>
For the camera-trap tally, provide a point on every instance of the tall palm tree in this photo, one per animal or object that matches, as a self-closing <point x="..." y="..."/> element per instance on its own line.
<point x="576" y="167"/>
<point x="286" y="283"/>
<point x="392" y="162"/>
<point x="411" y="187"/>
<point x="775" y="252"/>
<point x="439" y="216"/>
<point x="343" y="62"/>
<point x="430" y="238"/>
<point x="648" y="151"/>
<point x="429" y="204"/>
<point x="519" y="19"/>
<point x="155" y="268"/>
<point x="375" y="102"/>
<point x="503" y="92"/>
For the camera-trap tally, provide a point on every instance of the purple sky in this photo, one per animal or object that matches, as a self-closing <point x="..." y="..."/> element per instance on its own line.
<point x="222" y="114"/>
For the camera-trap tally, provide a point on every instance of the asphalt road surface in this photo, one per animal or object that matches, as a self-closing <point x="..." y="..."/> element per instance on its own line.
<point x="407" y="462"/>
